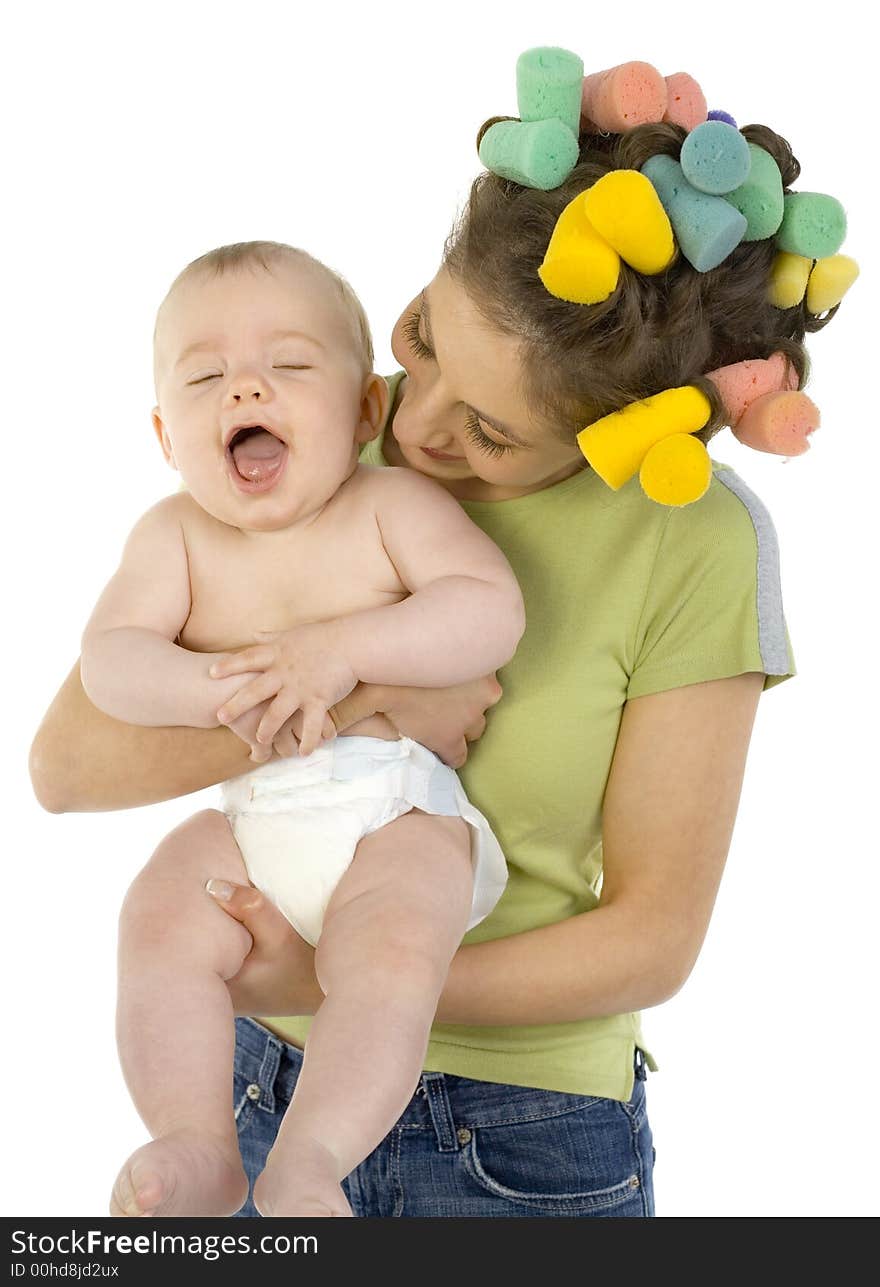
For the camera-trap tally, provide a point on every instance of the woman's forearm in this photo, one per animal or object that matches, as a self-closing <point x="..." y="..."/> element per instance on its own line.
<point x="604" y="962"/>
<point x="83" y="760"/>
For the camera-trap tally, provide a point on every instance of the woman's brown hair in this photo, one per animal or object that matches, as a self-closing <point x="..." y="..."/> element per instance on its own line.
<point x="653" y="333"/>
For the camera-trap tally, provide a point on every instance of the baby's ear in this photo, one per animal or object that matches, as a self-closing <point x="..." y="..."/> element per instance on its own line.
<point x="162" y="435"/>
<point x="374" y="408"/>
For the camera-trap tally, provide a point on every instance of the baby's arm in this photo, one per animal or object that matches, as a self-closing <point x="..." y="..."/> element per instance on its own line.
<point x="131" y="668"/>
<point x="463" y="618"/>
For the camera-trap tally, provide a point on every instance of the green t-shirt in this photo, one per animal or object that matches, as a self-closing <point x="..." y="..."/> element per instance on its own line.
<point x="623" y="597"/>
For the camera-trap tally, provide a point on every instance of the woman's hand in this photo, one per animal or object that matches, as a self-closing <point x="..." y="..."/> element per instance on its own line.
<point x="443" y="719"/>
<point x="246" y="727"/>
<point x="278" y="975"/>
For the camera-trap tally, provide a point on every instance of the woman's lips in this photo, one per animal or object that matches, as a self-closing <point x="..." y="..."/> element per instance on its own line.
<point x="440" y="455"/>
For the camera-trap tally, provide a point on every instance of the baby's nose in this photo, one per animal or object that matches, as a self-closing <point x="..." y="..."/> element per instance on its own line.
<point x="248" y="383"/>
<point x="246" y="387"/>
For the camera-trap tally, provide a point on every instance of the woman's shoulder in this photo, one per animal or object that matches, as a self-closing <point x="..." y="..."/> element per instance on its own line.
<point x="730" y="515"/>
<point x="713" y="604"/>
<point x="725" y="541"/>
<point x="722" y="549"/>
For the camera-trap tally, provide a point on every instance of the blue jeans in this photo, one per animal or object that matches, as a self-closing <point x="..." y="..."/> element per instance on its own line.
<point x="468" y="1148"/>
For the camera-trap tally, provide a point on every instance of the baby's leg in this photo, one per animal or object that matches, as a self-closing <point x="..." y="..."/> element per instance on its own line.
<point x="175" y="1026"/>
<point x="391" y="929"/>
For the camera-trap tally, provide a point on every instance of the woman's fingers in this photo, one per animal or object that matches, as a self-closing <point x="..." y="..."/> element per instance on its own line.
<point x="259" y="657"/>
<point x="278" y="974"/>
<point x="494" y="690"/>
<point x="238" y="901"/>
<point x="314" y="715"/>
<point x="260" y="917"/>
<point x="284" y="742"/>
<point x="248" y="696"/>
<point x="476" y="730"/>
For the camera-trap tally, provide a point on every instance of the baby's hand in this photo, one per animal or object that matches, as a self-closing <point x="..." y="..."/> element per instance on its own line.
<point x="304" y="669"/>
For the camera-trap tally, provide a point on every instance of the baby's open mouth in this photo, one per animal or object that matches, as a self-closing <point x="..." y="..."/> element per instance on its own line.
<point x="256" y="458"/>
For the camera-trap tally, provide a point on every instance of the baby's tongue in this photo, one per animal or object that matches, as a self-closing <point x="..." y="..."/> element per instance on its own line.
<point x="258" y="456"/>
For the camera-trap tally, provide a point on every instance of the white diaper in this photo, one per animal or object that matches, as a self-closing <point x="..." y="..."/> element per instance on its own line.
<point x="298" y="821"/>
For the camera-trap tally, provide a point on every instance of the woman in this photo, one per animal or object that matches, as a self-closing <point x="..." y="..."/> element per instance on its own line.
<point x="612" y="768"/>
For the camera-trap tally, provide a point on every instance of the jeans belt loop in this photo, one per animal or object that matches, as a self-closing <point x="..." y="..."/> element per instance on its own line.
<point x="441" y="1112"/>
<point x="268" y="1072"/>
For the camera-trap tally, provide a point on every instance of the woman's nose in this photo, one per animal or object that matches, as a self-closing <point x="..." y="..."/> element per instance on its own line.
<point x="431" y="414"/>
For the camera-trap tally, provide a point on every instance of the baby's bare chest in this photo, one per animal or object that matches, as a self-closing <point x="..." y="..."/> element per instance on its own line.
<point x="240" y="586"/>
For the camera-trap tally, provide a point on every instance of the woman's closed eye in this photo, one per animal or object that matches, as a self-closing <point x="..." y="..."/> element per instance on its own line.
<point x="473" y="428"/>
<point x="482" y="440"/>
<point x="415" y="341"/>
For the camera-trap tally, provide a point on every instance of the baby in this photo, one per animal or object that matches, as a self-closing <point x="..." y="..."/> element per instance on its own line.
<point x="334" y="573"/>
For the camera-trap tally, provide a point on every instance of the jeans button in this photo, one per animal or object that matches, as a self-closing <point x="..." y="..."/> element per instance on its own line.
<point x="463" y="1135"/>
<point x="253" y="1091"/>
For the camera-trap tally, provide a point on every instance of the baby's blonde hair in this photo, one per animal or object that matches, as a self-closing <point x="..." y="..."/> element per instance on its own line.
<point x="264" y="254"/>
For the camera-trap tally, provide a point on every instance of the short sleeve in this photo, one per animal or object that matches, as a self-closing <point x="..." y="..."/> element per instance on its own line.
<point x="713" y="605"/>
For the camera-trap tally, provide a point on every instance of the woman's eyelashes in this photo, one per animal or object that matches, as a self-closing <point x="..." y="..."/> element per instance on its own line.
<point x="415" y="341"/>
<point x="473" y="430"/>
<point x="482" y="440"/>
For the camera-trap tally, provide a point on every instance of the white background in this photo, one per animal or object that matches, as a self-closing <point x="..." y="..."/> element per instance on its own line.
<point x="139" y="136"/>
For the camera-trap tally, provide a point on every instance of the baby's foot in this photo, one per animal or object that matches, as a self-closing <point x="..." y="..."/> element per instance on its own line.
<point x="184" y="1174"/>
<point x="302" y="1182"/>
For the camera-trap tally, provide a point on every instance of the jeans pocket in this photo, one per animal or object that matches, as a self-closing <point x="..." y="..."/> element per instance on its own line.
<point x="583" y="1161"/>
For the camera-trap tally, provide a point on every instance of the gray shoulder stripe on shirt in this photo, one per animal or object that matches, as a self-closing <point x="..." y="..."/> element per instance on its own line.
<point x="771" y="620"/>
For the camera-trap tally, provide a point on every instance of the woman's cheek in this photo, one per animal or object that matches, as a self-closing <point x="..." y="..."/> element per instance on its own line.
<point x="501" y="469"/>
